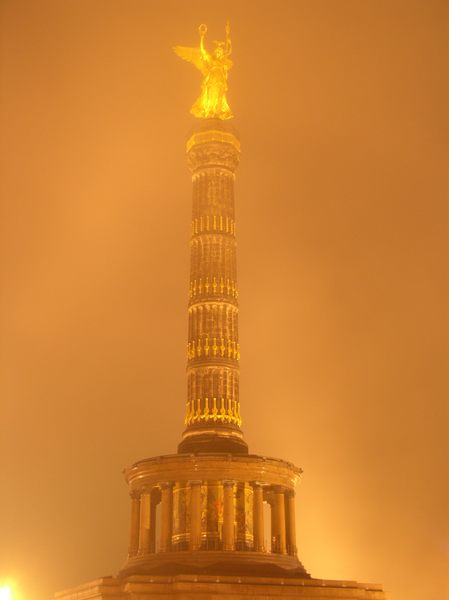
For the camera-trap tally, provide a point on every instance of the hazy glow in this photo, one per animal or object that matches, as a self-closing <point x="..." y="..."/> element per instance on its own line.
<point x="6" y="593"/>
<point x="341" y="216"/>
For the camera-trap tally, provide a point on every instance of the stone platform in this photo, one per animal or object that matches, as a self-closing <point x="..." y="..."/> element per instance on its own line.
<point x="209" y="587"/>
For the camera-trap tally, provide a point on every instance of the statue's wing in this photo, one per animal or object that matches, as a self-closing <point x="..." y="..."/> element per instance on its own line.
<point x="192" y="55"/>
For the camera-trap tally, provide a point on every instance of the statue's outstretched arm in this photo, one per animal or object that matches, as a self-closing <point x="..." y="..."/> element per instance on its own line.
<point x="228" y="48"/>
<point x="204" y="53"/>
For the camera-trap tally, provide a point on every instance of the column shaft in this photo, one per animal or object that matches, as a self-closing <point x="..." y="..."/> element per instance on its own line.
<point x="213" y="350"/>
<point x="258" y="520"/>
<point x="166" y="516"/>
<point x="228" y="516"/>
<point x="135" y="525"/>
<point x="144" y="534"/>
<point x="195" y="515"/>
<point x="153" y="505"/>
<point x="279" y="521"/>
<point x="291" y="533"/>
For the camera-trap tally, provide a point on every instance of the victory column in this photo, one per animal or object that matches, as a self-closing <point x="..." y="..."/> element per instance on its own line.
<point x="213" y="519"/>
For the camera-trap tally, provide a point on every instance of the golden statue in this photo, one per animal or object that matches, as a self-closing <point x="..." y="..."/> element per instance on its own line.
<point x="212" y="103"/>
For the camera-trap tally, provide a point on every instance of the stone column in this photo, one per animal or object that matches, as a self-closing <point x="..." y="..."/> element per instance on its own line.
<point x="144" y="533"/>
<point x="228" y="516"/>
<point x="258" y="518"/>
<point x="213" y="350"/>
<point x="195" y="515"/>
<point x="291" y="522"/>
<point x="154" y="501"/>
<point x="166" y="516"/>
<point x="135" y="524"/>
<point x="273" y="521"/>
<point x="279" y="520"/>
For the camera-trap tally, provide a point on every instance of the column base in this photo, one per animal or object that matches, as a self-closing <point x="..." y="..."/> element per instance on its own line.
<point x="216" y="563"/>
<point x="212" y="440"/>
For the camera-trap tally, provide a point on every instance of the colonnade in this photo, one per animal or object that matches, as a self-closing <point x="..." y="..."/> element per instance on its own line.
<point x="144" y="505"/>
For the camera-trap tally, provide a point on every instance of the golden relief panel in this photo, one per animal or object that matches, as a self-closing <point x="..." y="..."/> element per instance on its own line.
<point x="244" y="516"/>
<point x="223" y="410"/>
<point x="181" y="515"/>
<point x="211" y="515"/>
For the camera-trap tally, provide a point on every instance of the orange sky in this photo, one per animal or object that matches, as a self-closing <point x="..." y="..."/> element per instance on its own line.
<point x="343" y="254"/>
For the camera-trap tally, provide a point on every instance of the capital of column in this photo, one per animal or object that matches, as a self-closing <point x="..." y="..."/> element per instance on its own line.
<point x="257" y="484"/>
<point x="166" y="484"/>
<point x="228" y="483"/>
<point x="213" y="148"/>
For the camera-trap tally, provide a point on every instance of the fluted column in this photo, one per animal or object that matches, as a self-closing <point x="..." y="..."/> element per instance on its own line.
<point x="291" y="522"/>
<point x="195" y="515"/>
<point x="144" y="533"/>
<point x="166" y="516"/>
<point x="258" y="520"/>
<point x="228" y="516"/>
<point x="154" y="499"/>
<point x="134" y="525"/>
<point x="213" y="407"/>
<point x="279" y="521"/>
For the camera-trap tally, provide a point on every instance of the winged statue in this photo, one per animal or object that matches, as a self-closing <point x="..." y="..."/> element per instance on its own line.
<point x="214" y="67"/>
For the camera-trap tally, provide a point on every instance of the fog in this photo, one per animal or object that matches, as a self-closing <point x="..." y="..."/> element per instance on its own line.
<point x="342" y="223"/>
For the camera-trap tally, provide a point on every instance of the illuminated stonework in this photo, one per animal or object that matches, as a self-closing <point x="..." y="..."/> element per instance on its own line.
<point x="212" y="502"/>
<point x="213" y="348"/>
<point x="214" y="520"/>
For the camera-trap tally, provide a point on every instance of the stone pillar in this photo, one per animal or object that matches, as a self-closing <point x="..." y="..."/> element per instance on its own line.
<point x="228" y="516"/>
<point x="258" y="520"/>
<point x="291" y="522"/>
<point x="154" y="500"/>
<point x="273" y="520"/>
<point x="144" y="533"/>
<point x="279" y="520"/>
<point x="195" y="515"/>
<point x="135" y="524"/>
<point x="166" y="516"/>
<point x="213" y="350"/>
